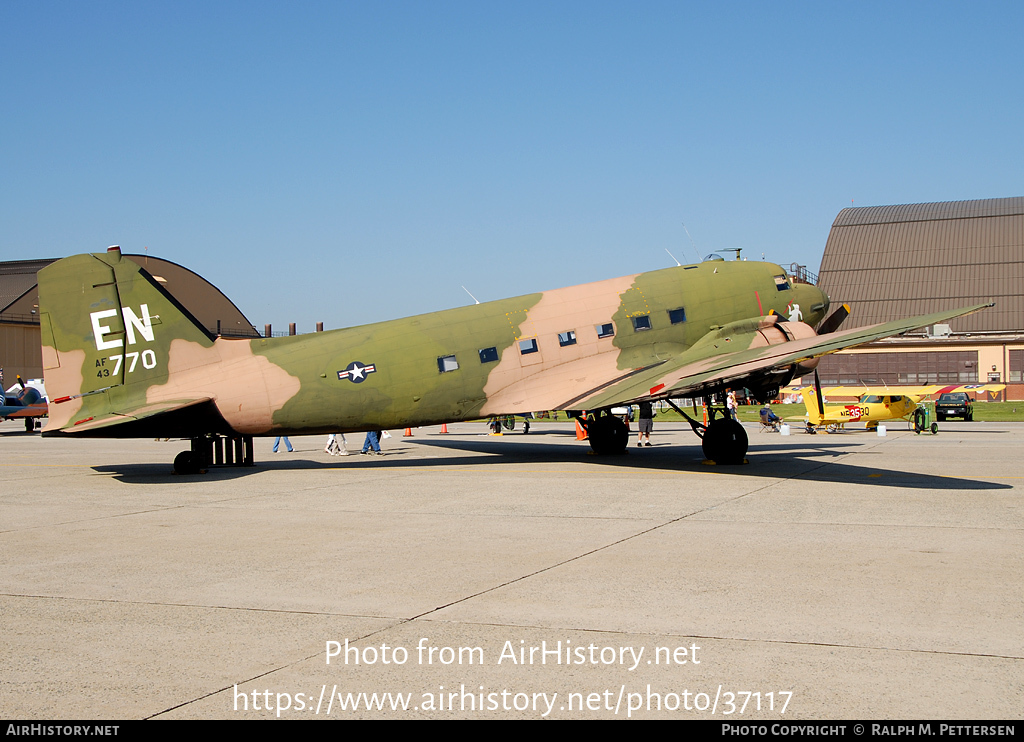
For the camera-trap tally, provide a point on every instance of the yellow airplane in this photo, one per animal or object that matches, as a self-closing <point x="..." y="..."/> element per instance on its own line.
<point x="869" y="409"/>
<point x="877" y="404"/>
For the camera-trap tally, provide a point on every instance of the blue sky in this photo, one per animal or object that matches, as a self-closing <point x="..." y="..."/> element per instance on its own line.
<point x="349" y="162"/>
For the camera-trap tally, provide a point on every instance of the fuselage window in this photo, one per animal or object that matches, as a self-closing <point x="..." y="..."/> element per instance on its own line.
<point x="781" y="283"/>
<point x="446" y="364"/>
<point x="528" y="346"/>
<point x="676" y="316"/>
<point x="606" y="330"/>
<point x="642" y="322"/>
<point x="488" y="355"/>
<point x="567" y="338"/>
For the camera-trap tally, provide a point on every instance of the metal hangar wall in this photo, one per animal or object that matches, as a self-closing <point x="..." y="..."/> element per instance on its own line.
<point x="890" y="262"/>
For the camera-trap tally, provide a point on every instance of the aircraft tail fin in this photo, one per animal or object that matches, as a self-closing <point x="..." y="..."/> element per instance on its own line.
<point x="107" y="327"/>
<point x="811" y="403"/>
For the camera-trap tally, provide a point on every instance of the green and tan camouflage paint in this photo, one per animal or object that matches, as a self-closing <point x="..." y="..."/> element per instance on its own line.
<point x="118" y="348"/>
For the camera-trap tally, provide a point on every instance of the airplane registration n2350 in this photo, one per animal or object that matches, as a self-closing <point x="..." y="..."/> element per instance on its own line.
<point x="123" y="358"/>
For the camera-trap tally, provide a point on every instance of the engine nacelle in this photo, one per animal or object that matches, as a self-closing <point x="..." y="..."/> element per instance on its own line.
<point x="774" y="333"/>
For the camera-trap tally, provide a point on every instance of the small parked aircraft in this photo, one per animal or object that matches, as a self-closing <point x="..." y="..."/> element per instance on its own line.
<point x="874" y="404"/>
<point x="871" y="409"/>
<point x="123" y="358"/>
<point x="24" y="401"/>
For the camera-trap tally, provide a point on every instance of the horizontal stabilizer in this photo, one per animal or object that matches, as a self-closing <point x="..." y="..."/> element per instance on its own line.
<point x="171" y="419"/>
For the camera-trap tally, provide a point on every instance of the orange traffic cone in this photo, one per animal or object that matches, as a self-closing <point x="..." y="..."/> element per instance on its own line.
<point x="581" y="434"/>
<point x="407" y="433"/>
<point x="444" y="427"/>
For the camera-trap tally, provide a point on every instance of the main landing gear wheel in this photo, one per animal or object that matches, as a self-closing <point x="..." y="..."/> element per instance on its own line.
<point x="725" y="442"/>
<point x="608" y="435"/>
<point x="30" y="425"/>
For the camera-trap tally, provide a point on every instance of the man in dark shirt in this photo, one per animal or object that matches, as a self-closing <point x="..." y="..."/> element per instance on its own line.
<point x="646" y="424"/>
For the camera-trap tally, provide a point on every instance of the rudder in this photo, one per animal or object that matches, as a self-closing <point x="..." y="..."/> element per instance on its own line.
<point x="811" y="403"/>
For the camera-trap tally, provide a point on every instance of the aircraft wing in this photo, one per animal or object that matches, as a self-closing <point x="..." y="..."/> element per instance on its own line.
<point x="968" y="388"/>
<point x="913" y="391"/>
<point x="709" y="364"/>
<point x="853" y="391"/>
<point x="11" y="412"/>
<point x="860" y="391"/>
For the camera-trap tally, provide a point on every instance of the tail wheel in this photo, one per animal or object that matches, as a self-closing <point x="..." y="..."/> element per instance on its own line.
<point x="186" y="462"/>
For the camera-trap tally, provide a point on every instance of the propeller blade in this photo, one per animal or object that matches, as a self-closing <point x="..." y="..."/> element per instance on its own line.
<point x="832" y="322"/>
<point x="817" y="390"/>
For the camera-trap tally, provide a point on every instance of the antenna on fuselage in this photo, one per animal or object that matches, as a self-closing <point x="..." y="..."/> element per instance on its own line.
<point x="470" y="295"/>
<point x="673" y="257"/>
<point x="691" y="242"/>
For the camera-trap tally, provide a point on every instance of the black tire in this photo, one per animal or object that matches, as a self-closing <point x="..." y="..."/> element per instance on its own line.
<point x="940" y="418"/>
<point x="725" y="442"/>
<point x="935" y="428"/>
<point x="608" y="435"/>
<point x="970" y="416"/>
<point x="186" y="463"/>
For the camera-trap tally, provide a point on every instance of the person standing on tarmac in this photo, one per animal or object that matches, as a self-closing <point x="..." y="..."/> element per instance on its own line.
<point x="730" y="403"/>
<point x="645" y="423"/>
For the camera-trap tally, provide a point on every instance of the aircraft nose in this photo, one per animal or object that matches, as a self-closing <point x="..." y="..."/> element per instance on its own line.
<point x="814" y="299"/>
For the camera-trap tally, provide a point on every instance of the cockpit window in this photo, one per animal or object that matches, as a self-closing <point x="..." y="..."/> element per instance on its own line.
<point x="782" y="282"/>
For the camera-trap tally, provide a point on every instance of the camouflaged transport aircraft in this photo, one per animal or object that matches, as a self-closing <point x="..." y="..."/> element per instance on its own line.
<point x="124" y="359"/>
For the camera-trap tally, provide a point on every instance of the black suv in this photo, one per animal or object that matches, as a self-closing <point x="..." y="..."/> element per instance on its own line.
<point x="955" y="404"/>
